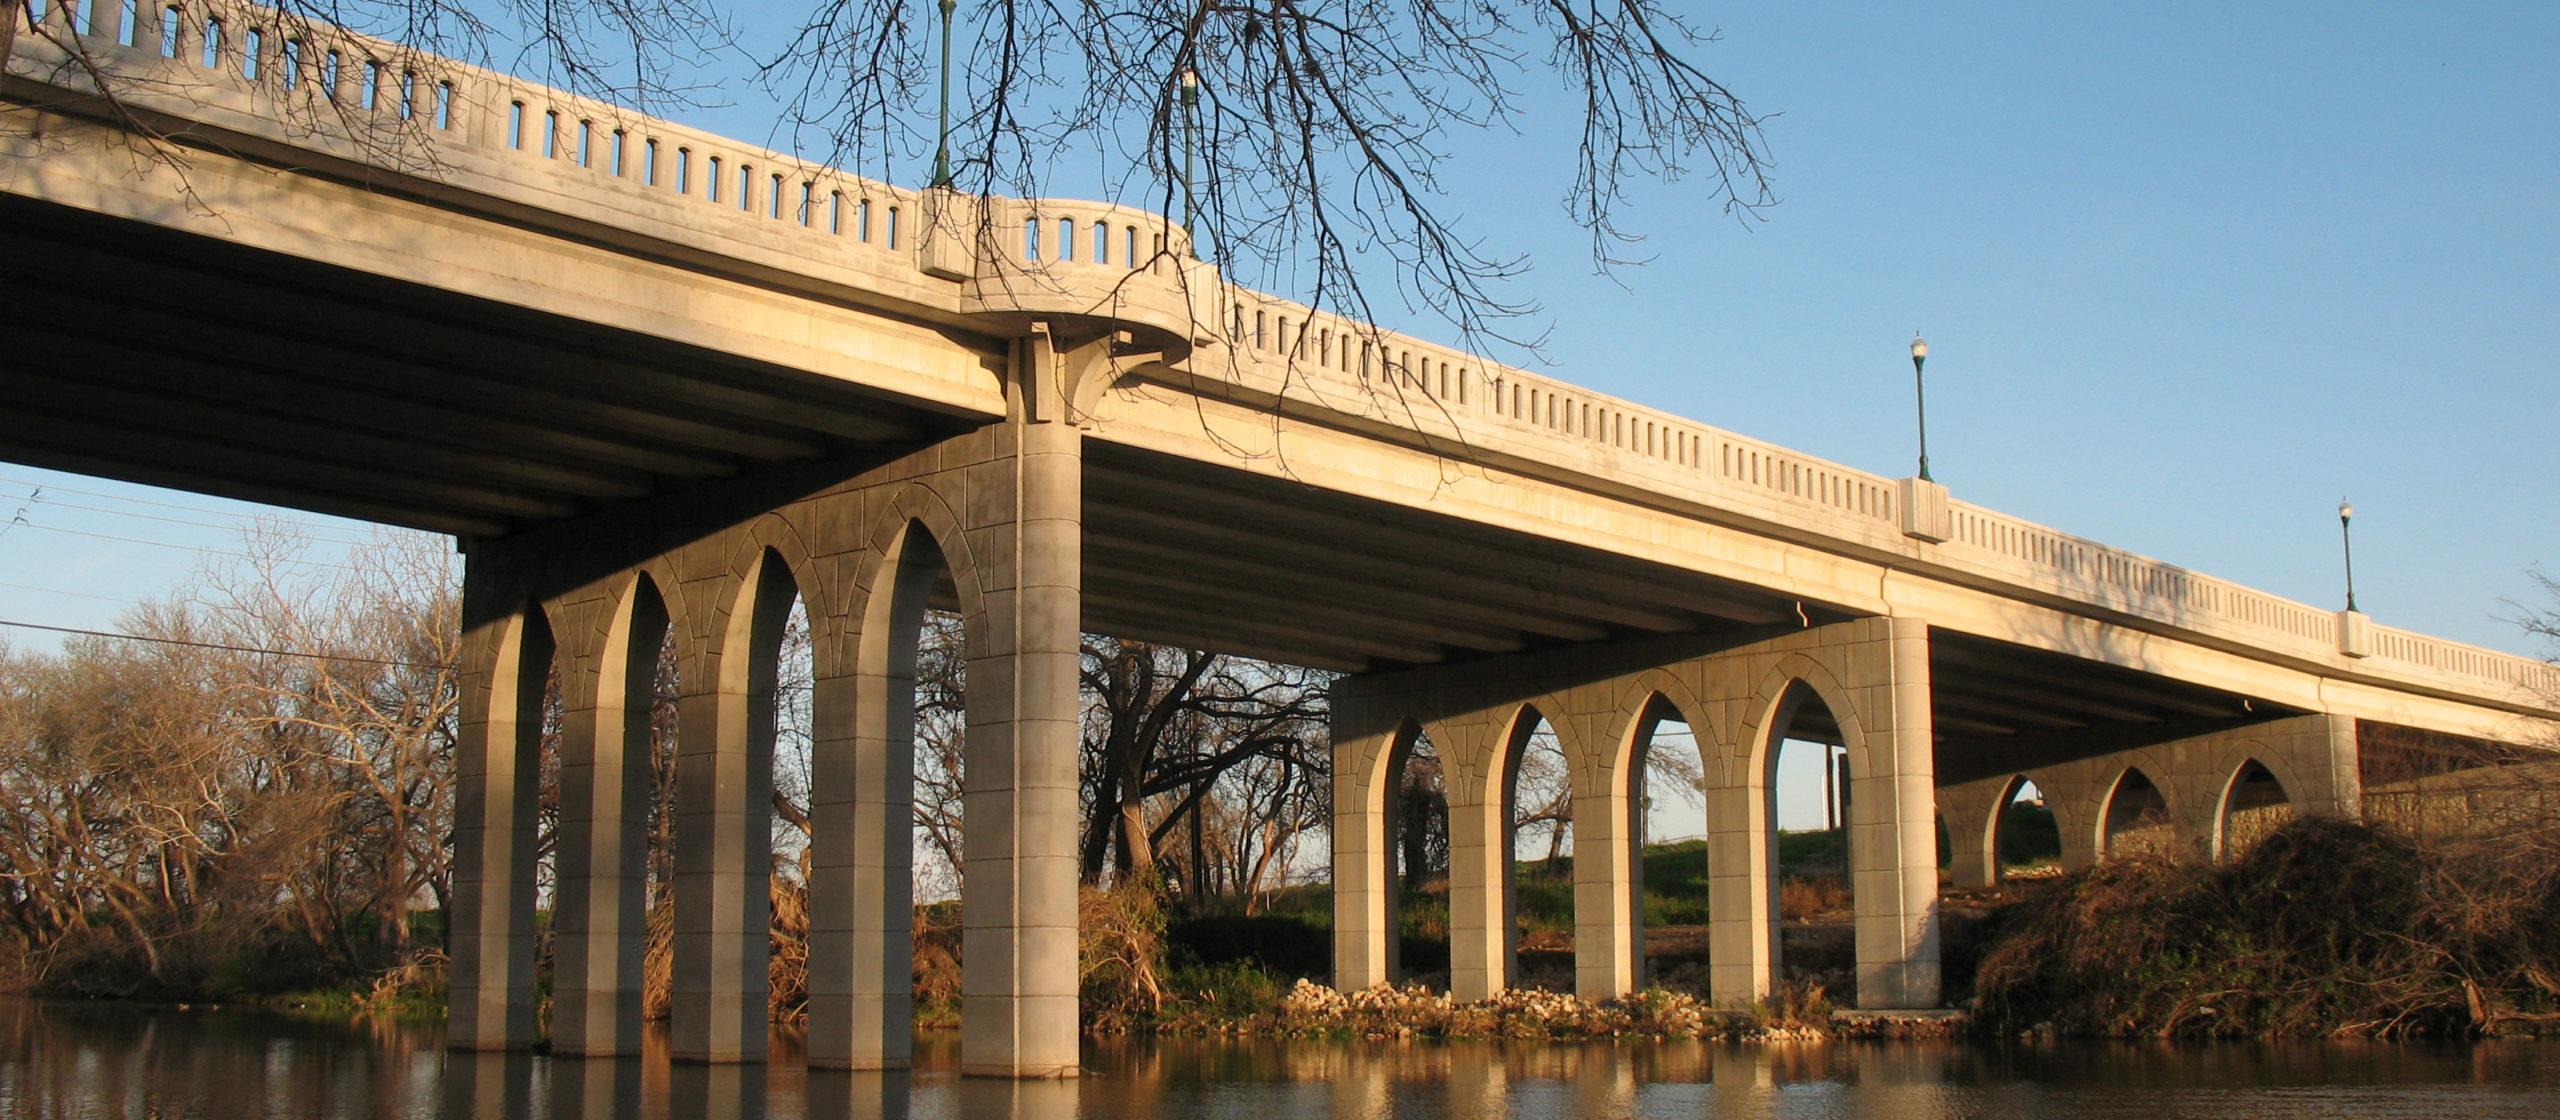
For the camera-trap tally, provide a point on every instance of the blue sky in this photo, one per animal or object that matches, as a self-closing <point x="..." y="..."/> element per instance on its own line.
<point x="2189" y="273"/>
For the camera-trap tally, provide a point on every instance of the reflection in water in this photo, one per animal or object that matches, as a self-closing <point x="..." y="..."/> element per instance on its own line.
<point x="104" y="1060"/>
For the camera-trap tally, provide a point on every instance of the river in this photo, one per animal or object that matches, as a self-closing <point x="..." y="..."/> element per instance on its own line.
<point x="60" y="1061"/>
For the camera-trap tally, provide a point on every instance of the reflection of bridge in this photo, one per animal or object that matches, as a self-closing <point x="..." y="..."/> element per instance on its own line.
<point x="659" y="383"/>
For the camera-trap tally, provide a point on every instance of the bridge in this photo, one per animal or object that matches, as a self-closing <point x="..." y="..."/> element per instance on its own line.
<point x="656" y="383"/>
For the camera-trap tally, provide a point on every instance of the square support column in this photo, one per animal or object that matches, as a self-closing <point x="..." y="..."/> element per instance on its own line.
<point x="723" y="862"/>
<point x="1742" y="935"/>
<point x="496" y="783"/>
<point x="861" y="890"/>
<point x="1605" y="947"/>
<point x="600" y="913"/>
<point x="1893" y="842"/>
<point x="1018" y="973"/>
<point x="1363" y="871"/>
<point x="1480" y="941"/>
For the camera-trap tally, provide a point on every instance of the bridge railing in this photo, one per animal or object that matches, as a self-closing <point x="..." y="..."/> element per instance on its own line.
<point x="1395" y="378"/>
<point x="371" y="101"/>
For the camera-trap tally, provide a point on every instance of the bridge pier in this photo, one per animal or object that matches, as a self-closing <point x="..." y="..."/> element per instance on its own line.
<point x="1739" y="694"/>
<point x="992" y="518"/>
<point x="2302" y="764"/>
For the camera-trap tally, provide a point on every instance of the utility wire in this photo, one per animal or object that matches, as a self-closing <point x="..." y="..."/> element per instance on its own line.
<point x="73" y="594"/>
<point x="220" y="646"/>
<point x="193" y="548"/>
<point x="304" y="528"/>
<point x="135" y="501"/>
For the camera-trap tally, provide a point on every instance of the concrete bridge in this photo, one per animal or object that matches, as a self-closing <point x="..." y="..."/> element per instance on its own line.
<point x="657" y="382"/>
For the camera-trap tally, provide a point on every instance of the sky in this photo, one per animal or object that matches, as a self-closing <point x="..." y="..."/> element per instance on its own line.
<point x="2189" y="274"/>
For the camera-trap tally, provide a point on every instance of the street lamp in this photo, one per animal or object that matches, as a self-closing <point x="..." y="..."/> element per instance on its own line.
<point x="2347" y="538"/>
<point x="1190" y="124"/>
<point x="1919" y="354"/>
<point x="942" y="144"/>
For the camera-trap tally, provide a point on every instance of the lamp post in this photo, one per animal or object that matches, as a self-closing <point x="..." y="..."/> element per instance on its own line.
<point x="1920" y="390"/>
<point x="2347" y="538"/>
<point x="942" y="142"/>
<point x="1190" y="124"/>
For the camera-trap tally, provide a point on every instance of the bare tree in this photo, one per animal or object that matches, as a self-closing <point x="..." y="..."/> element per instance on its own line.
<point x="1166" y="725"/>
<point x="266" y="767"/>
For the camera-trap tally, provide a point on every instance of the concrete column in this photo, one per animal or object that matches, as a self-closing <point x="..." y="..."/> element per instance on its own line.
<point x="861" y="891"/>
<point x="1742" y="935"/>
<point x="1893" y="832"/>
<point x="1973" y="836"/>
<point x="1018" y="978"/>
<point x="1363" y="869"/>
<point x="2345" y="795"/>
<point x="1604" y="892"/>
<point x="861" y="896"/>
<point x="723" y="834"/>
<point x="600" y="913"/>
<point x="496" y="772"/>
<point x="1480" y="941"/>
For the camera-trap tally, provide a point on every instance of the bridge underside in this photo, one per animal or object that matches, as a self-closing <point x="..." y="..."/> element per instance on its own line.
<point x="186" y="361"/>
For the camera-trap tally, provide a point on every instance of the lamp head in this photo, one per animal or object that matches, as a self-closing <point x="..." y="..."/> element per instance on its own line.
<point x="1919" y="348"/>
<point x="2345" y="511"/>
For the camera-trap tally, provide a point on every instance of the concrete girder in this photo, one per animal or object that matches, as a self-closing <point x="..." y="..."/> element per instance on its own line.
<point x="201" y="479"/>
<point x="506" y="391"/>
<point x="1294" y="591"/>
<point x="1534" y="610"/>
<point x="27" y="424"/>
<point x="454" y="421"/>
<point x="441" y="324"/>
<point x="182" y="405"/>
<point x="1158" y="611"/>
<point x="1514" y="563"/>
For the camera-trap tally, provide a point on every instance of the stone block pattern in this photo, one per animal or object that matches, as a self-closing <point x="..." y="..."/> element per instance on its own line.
<point x="1737" y="695"/>
<point x="996" y="511"/>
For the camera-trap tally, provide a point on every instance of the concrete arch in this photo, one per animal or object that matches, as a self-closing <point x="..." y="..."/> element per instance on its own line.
<point x="1979" y="837"/>
<point x="1772" y="706"/>
<point x="1636" y="702"/>
<point x="891" y="556"/>
<point x="2288" y="790"/>
<point x="599" y="912"/>
<point x="2113" y="788"/>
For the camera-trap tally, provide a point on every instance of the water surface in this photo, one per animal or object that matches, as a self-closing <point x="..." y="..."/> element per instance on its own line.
<point x="81" y="1060"/>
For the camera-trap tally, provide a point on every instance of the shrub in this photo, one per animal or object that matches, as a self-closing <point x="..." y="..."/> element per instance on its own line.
<point x="2325" y="927"/>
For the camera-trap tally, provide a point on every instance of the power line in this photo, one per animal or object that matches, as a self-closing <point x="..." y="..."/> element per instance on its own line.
<point x="73" y="594"/>
<point x="307" y="529"/>
<point x="122" y="498"/>
<point x="218" y="646"/>
<point x="193" y="548"/>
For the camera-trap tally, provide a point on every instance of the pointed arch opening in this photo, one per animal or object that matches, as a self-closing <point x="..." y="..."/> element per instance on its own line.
<point x="790" y="830"/>
<point x="724" y="877"/>
<point x="917" y="634"/>
<point x="1666" y="781"/>
<point x="2137" y="818"/>
<point x="608" y="961"/>
<point x="1537" y="863"/>
<point x="656" y="687"/>
<point x="1417" y="797"/>
<point x="1809" y="807"/>
<point x="2253" y="805"/>
<point x="2026" y="842"/>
